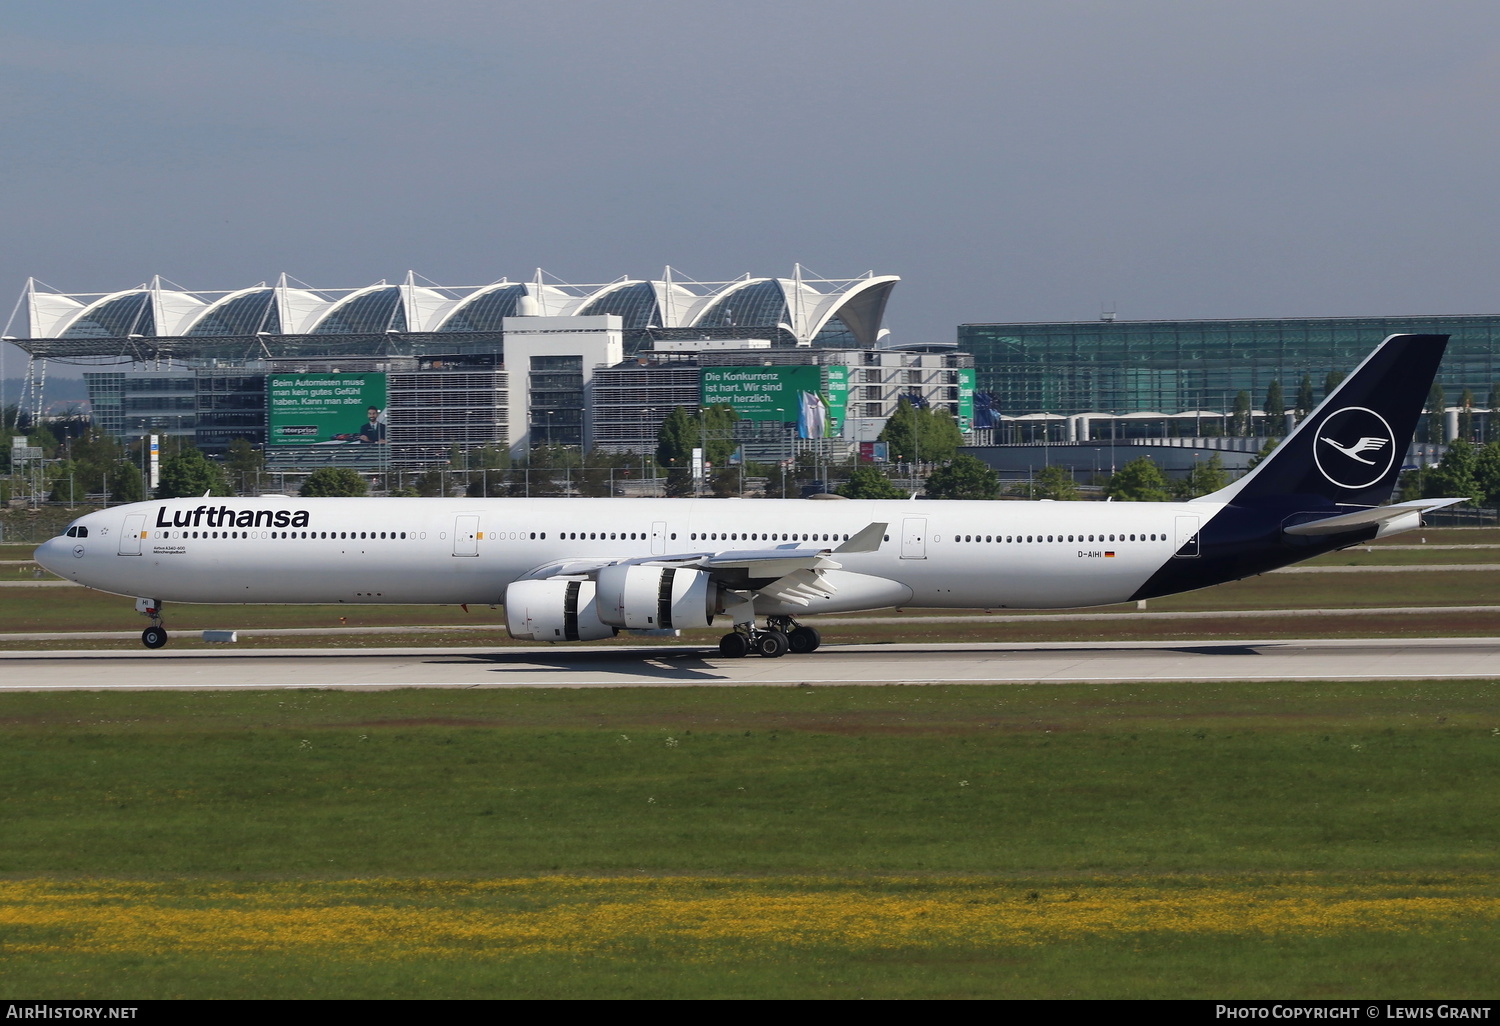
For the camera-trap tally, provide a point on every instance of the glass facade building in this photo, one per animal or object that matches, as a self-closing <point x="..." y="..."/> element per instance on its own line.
<point x="557" y="399"/>
<point x="1125" y="367"/>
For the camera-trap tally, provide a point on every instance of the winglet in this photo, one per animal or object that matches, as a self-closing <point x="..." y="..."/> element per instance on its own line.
<point x="867" y="540"/>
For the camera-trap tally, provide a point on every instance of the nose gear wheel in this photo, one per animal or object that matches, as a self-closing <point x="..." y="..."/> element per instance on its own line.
<point x="155" y="636"/>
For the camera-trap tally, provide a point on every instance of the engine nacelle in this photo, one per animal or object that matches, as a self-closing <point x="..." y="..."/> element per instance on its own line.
<point x="656" y="597"/>
<point x="554" y="611"/>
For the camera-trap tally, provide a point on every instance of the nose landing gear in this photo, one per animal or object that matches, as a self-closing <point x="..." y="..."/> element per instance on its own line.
<point x="154" y="636"/>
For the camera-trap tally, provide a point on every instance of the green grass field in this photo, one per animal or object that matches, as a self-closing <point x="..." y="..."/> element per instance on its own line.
<point x="1246" y="840"/>
<point x="1388" y="556"/>
<point x="1136" y="840"/>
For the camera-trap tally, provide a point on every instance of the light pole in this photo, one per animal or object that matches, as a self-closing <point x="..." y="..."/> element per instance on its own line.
<point x="916" y="448"/>
<point x="648" y="417"/>
<point x="789" y="434"/>
<point x="702" y="465"/>
<point x="818" y="479"/>
<point x="786" y="437"/>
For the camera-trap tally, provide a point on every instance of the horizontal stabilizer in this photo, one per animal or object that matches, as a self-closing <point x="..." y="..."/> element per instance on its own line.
<point x="1367" y="517"/>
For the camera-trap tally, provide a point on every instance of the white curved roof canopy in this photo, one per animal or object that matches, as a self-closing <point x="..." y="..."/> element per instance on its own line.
<point x="117" y="315"/>
<point x="175" y="311"/>
<point x="861" y="308"/>
<point x="245" y="312"/>
<point x="837" y="311"/>
<point x="486" y="308"/>
<point x="374" y="309"/>
<point x="49" y="313"/>
<point x="747" y="302"/>
<point x="800" y="308"/>
<point x="425" y="308"/>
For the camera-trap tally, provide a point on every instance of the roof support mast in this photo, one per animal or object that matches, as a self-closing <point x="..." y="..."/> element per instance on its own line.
<point x="6" y="337"/>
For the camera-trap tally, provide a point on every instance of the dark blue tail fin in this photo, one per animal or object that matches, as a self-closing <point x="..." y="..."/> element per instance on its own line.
<point x="1349" y="450"/>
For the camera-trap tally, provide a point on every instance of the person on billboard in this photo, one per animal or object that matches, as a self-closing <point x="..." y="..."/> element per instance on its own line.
<point x="372" y="430"/>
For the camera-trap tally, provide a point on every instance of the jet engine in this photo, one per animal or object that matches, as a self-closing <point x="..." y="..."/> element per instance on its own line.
<point x="656" y="597"/>
<point x="554" y="611"/>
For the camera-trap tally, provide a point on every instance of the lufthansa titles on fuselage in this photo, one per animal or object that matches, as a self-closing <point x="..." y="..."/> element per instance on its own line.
<point x="224" y="516"/>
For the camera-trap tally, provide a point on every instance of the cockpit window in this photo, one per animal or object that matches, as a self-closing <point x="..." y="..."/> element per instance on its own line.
<point x="78" y="531"/>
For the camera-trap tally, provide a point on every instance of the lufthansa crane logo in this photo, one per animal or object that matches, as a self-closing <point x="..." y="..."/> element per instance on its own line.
<point x="1354" y="447"/>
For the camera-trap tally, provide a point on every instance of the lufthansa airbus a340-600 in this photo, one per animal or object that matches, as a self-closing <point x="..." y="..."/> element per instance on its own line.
<point x="584" y="569"/>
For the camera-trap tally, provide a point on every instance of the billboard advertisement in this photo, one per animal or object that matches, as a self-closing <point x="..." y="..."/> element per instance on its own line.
<point x="760" y="393"/>
<point x="790" y="394"/>
<point x="838" y="400"/>
<point x="325" y="409"/>
<point x="966" y="399"/>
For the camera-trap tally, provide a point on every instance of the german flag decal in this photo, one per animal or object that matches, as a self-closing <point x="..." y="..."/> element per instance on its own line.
<point x="1109" y="555"/>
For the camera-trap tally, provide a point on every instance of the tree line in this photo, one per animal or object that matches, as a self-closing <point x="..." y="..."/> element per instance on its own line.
<point x="94" y="464"/>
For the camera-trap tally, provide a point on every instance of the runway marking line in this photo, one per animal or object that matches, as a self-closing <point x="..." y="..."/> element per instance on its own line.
<point x="832" y="682"/>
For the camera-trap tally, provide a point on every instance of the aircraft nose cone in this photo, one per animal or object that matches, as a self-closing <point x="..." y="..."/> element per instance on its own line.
<point x="52" y="552"/>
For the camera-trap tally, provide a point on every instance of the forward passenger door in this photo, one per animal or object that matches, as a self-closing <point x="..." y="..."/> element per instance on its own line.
<point x="914" y="538"/>
<point x="130" y="537"/>
<point x="466" y="535"/>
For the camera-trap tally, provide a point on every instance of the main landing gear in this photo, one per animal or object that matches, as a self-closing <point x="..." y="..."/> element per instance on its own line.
<point x="782" y="635"/>
<point x="154" y="636"/>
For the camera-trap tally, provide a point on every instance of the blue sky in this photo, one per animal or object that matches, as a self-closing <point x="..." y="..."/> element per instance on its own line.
<point x="1010" y="160"/>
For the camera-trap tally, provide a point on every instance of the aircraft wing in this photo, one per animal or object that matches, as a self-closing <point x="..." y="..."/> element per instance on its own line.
<point x="1367" y="517"/>
<point x="734" y="568"/>
<point x="799" y="588"/>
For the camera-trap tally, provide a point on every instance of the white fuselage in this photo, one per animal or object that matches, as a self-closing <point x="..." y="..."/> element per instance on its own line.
<point x="290" y="550"/>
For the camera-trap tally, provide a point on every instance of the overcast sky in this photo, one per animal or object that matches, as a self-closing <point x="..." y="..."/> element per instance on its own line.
<point x="1009" y="160"/>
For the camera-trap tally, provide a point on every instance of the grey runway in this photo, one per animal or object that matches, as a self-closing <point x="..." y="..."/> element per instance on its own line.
<point x="821" y="622"/>
<point x="580" y="667"/>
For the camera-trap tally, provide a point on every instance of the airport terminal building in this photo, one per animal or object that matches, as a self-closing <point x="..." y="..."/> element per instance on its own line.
<point x="300" y="370"/>
<point x="1100" y="379"/>
<point x="313" y="374"/>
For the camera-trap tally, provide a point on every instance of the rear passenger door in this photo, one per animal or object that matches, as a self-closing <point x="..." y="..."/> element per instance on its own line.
<point x="1187" y="538"/>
